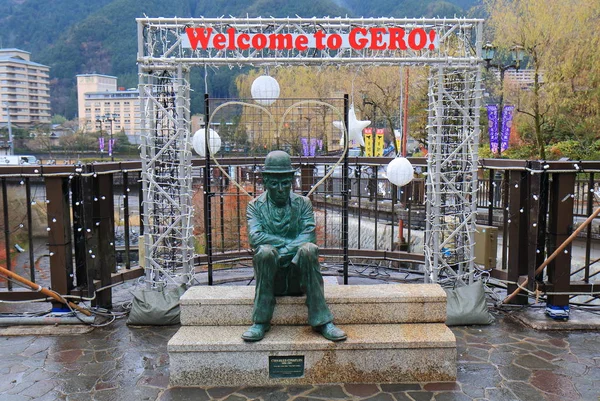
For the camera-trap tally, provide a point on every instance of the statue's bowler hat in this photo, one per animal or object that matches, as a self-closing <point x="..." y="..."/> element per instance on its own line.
<point x="278" y="162"/>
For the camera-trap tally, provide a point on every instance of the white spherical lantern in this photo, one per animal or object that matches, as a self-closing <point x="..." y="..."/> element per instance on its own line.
<point x="400" y="172"/>
<point x="199" y="144"/>
<point x="265" y="90"/>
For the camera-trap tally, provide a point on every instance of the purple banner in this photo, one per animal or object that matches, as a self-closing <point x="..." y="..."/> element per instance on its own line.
<point x="310" y="148"/>
<point x="101" y="144"/>
<point x="507" y="115"/>
<point x="304" y="142"/>
<point x="492" y="110"/>
<point x="111" y="144"/>
<point x="313" y="146"/>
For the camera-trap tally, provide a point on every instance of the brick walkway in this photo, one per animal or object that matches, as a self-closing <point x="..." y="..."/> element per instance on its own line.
<point x="504" y="361"/>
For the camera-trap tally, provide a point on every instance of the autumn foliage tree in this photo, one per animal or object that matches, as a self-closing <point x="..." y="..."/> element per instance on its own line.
<point x="562" y="48"/>
<point x="375" y="92"/>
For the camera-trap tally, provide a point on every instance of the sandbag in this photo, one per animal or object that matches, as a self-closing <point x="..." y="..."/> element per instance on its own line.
<point x="156" y="307"/>
<point x="466" y="305"/>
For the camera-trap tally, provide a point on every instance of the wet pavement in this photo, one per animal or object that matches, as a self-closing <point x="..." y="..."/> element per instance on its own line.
<point x="503" y="361"/>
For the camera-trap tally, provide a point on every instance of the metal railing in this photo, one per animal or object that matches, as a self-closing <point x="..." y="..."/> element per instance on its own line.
<point x="75" y="227"/>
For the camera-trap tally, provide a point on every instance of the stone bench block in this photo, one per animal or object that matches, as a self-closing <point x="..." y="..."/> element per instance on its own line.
<point x="355" y="304"/>
<point x="388" y="353"/>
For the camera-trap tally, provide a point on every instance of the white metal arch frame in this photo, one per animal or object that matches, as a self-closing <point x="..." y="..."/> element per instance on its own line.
<point x="166" y="52"/>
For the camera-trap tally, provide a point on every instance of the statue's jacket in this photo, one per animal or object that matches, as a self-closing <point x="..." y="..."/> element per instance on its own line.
<point x="287" y="235"/>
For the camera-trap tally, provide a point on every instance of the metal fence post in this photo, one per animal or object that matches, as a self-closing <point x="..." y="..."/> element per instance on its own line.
<point x="560" y="227"/>
<point x="59" y="236"/>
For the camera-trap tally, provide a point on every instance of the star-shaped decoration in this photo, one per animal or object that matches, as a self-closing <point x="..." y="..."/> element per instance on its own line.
<point x="355" y="128"/>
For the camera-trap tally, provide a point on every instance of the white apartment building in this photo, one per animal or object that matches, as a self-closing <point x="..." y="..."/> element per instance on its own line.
<point x="24" y="90"/>
<point x="98" y="96"/>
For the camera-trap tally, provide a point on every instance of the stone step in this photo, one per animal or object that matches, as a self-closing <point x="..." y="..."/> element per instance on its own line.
<point x="381" y="353"/>
<point x="355" y="304"/>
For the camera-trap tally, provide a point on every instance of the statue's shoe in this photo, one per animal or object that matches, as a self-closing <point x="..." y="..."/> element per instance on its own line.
<point x="331" y="332"/>
<point x="256" y="332"/>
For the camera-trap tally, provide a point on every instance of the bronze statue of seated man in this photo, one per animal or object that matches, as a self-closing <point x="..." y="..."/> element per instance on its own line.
<point x="281" y="230"/>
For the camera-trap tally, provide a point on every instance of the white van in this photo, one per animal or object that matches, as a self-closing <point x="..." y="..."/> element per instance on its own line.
<point x="8" y="160"/>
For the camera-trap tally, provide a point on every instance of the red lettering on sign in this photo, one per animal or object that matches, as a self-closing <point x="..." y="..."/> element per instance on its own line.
<point x="319" y="35"/>
<point x="397" y="39"/>
<point x="431" y="40"/>
<point x="301" y="43"/>
<point x="243" y="41"/>
<point x="377" y="38"/>
<point x="358" y="43"/>
<point x="280" y="41"/>
<point x="231" y="39"/>
<point x="219" y="41"/>
<point x="334" y="41"/>
<point x="198" y="35"/>
<point x="259" y="41"/>
<point x="421" y="35"/>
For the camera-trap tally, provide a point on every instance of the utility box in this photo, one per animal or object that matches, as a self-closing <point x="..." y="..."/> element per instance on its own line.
<point x="486" y="246"/>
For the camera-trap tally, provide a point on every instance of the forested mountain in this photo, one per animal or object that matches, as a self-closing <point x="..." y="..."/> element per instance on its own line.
<point x="76" y="37"/>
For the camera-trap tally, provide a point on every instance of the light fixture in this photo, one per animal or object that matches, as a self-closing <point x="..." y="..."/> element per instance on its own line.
<point x="265" y="90"/>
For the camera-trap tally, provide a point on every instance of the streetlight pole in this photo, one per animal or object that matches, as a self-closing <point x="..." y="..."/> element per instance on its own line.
<point x="10" y="138"/>
<point x="488" y="52"/>
<point x="366" y="101"/>
<point x="99" y="120"/>
<point x="107" y="118"/>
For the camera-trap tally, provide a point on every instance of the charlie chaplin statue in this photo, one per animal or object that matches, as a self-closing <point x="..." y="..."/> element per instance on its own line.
<point x="281" y="229"/>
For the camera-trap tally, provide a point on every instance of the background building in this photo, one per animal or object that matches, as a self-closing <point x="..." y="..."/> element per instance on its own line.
<point x="98" y="95"/>
<point x="24" y="90"/>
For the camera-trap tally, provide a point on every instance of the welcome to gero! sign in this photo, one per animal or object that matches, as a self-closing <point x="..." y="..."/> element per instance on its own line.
<point x="360" y="38"/>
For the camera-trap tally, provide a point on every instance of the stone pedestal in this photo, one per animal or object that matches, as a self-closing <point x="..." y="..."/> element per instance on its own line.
<point x="396" y="333"/>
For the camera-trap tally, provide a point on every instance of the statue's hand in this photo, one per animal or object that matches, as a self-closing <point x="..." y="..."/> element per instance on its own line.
<point x="285" y="252"/>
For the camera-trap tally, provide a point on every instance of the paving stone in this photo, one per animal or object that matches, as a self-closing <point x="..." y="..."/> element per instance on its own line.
<point x="51" y="396"/>
<point x="514" y="372"/>
<point x="135" y="393"/>
<point x="420" y="395"/>
<point x="533" y="362"/>
<point x="552" y="350"/>
<point x="80" y="385"/>
<point x="220" y="392"/>
<point x="361" y="390"/>
<point x="401" y="397"/>
<point x="443" y="386"/>
<point x="35" y="375"/>
<point x="79" y="397"/>
<point x="276" y="396"/>
<point x="252" y="392"/>
<point x="38" y="389"/>
<point x="160" y="380"/>
<point x="122" y="363"/>
<point x="558" y="342"/>
<point x="523" y="345"/>
<point x="503" y="358"/>
<point x="15" y="397"/>
<point x="545" y="355"/>
<point x="500" y="394"/>
<point x="475" y="377"/>
<point x="397" y="387"/>
<point x="298" y="389"/>
<point x="452" y="397"/>
<point x="554" y="384"/>
<point x="571" y="368"/>
<point x="379" y="397"/>
<point x="186" y="394"/>
<point x="328" y="392"/>
<point x="479" y="353"/>
<point x="587" y="387"/>
<point x="524" y="391"/>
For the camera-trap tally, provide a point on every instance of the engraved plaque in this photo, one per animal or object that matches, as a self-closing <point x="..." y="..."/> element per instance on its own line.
<point x="286" y="366"/>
